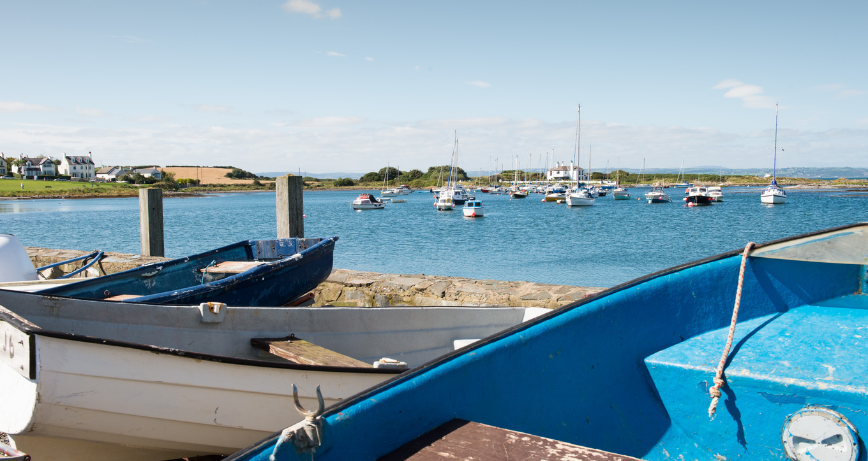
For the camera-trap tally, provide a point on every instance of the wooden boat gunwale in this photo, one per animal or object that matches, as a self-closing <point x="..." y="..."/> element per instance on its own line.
<point x="32" y="331"/>
<point x="426" y="367"/>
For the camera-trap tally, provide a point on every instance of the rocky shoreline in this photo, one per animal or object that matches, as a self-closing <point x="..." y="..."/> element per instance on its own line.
<point x="370" y="289"/>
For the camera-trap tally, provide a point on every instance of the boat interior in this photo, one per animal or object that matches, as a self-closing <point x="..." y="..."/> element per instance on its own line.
<point x="413" y="335"/>
<point x="181" y="273"/>
<point x="629" y="370"/>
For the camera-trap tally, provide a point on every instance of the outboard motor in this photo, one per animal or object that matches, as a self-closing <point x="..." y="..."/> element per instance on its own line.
<point x="15" y="264"/>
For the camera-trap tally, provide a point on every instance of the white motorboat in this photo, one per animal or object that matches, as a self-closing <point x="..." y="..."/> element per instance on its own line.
<point x="98" y="380"/>
<point x="620" y="193"/>
<point x="697" y="195"/>
<point x="657" y="195"/>
<point x="773" y="193"/>
<point x="444" y="203"/>
<point x="715" y="193"/>
<point x="473" y="209"/>
<point x="580" y="197"/>
<point x="405" y="189"/>
<point x="368" y="202"/>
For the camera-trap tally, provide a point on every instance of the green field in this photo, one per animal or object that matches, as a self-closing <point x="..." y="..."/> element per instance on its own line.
<point x="12" y="187"/>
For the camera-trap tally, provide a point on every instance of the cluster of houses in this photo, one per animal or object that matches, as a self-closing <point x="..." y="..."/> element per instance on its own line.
<point x="74" y="166"/>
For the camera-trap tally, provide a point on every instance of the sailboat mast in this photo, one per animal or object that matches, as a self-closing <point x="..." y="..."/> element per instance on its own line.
<point x="775" y="164"/>
<point x="578" y="142"/>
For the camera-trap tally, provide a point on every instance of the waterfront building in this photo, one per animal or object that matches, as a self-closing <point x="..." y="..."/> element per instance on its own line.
<point x="3" y="169"/>
<point x="78" y="166"/>
<point x="564" y="172"/>
<point x="34" y="166"/>
<point x="151" y="172"/>
<point x="112" y="173"/>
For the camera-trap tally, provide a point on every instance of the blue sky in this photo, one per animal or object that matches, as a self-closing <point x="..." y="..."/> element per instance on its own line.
<point x="347" y="86"/>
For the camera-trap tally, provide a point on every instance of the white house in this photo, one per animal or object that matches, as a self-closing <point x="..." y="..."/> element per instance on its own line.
<point x="151" y="172"/>
<point x="3" y="170"/>
<point x="562" y="172"/>
<point x="39" y="166"/>
<point x="112" y="173"/>
<point x="78" y="166"/>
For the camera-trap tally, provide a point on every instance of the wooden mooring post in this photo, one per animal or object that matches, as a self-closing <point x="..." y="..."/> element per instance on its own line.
<point x="290" y="207"/>
<point x="151" y="221"/>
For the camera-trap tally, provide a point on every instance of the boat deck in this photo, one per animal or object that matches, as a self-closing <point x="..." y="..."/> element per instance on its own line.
<point x="460" y="439"/>
<point x="778" y="364"/>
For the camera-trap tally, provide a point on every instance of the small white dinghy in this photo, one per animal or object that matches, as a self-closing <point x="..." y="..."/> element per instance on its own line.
<point x="98" y="380"/>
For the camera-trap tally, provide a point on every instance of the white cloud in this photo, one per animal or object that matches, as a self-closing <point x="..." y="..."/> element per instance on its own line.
<point x="751" y="95"/>
<point x="310" y="8"/>
<point x="369" y="59"/>
<point x="352" y="142"/>
<point x="213" y="108"/>
<point x="416" y="68"/>
<point x="89" y="112"/>
<point x="17" y="106"/>
<point x="830" y="87"/>
<point x="335" y="54"/>
<point x="478" y="84"/>
<point x="328" y="121"/>
<point x="850" y="94"/>
<point x="840" y="90"/>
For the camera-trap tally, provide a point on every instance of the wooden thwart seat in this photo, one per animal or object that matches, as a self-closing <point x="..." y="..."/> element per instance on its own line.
<point x="121" y="297"/>
<point x="299" y="351"/>
<point x="460" y="439"/>
<point x="231" y="267"/>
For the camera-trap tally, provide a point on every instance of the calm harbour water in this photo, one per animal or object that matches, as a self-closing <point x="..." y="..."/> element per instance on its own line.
<point x="603" y="245"/>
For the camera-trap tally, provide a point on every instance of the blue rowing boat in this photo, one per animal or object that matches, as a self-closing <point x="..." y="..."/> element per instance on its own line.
<point x="635" y="370"/>
<point x="248" y="273"/>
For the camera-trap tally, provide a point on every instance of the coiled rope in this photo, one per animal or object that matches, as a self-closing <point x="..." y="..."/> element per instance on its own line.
<point x="718" y="378"/>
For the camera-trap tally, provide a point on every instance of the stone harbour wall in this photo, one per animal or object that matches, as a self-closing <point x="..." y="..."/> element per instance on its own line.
<point x="369" y="289"/>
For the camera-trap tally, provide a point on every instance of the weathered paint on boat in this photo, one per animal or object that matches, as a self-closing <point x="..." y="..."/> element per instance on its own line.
<point x="628" y="370"/>
<point x="119" y="380"/>
<point x="290" y="267"/>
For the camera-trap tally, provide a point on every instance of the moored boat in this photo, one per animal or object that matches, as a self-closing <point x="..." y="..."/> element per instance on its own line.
<point x="474" y="209"/>
<point x="247" y="273"/>
<point x="368" y="202"/>
<point x="774" y="194"/>
<point x="715" y="193"/>
<point x="697" y="195"/>
<point x="657" y="195"/>
<point x="125" y="381"/>
<point x="735" y="347"/>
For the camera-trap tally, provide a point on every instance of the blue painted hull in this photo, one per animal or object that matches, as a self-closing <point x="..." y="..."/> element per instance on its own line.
<point x="291" y="267"/>
<point x="628" y="370"/>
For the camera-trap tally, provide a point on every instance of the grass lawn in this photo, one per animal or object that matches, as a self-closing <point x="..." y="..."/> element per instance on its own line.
<point x="12" y="187"/>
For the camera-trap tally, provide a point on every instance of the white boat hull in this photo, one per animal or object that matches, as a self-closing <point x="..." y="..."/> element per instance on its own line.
<point x="115" y="397"/>
<point x="474" y="212"/>
<point x="369" y="206"/>
<point x="573" y="200"/>
<point x="773" y="198"/>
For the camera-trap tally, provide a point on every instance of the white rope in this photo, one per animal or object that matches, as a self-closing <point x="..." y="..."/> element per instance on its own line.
<point x="718" y="378"/>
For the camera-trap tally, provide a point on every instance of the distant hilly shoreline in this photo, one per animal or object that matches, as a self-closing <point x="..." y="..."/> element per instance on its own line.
<point x="792" y="172"/>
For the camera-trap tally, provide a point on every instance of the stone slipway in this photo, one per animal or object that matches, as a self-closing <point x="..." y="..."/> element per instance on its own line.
<point x="371" y="289"/>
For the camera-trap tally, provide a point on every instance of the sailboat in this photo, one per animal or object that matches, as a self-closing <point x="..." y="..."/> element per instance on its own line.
<point x="774" y="193"/>
<point x="579" y="195"/>
<point x="640" y="180"/>
<point x="446" y="198"/>
<point x="517" y="192"/>
<point x="620" y="193"/>
<point x="386" y="191"/>
<point x="680" y="180"/>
